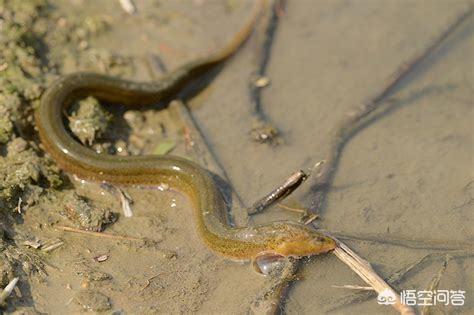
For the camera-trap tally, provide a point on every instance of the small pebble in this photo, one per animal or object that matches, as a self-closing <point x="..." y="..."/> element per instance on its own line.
<point x="101" y="258"/>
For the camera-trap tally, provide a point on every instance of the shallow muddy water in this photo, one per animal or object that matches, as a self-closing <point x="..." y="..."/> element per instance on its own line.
<point x="403" y="188"/>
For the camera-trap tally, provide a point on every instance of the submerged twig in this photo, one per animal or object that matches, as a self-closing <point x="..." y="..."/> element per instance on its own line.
<point x="279" y="193"/>
<point x="263" y="130"/>
<point x="284" y="190"/>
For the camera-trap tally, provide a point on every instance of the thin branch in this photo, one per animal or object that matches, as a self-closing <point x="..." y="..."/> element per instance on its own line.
<point x="279" y="193"/>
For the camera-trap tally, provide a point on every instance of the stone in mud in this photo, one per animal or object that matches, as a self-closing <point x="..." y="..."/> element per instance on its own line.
<point x="86" y="215"/>
<point x="22" y="169"/>
<point x="89" y="120"/>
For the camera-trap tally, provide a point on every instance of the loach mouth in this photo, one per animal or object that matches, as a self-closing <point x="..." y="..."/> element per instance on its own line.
<point x="326" y="243"/>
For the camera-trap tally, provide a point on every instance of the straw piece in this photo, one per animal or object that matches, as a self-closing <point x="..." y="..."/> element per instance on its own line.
<point x="365" y="271"/>
<point x="128" y="6"/>
<point x="8" y="290"/>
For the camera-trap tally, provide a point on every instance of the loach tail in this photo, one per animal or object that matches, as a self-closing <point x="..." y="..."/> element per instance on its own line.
<point x="231" y="47"/>
<point x="181" y="76"/>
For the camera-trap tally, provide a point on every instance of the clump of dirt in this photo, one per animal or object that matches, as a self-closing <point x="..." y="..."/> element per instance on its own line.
<point x="87" y="215"/>
<point x="24" y="175"/>
<point x="89" y="120"/>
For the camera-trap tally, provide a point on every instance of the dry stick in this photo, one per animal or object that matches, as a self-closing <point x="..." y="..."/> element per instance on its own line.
<point x="396" y="277"/>
<point x="8" y="290"/>
<point x="343" y="131"/>
<point x="365" y="271"/>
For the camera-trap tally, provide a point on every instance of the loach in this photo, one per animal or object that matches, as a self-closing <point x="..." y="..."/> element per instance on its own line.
<point x="282" y="238"/>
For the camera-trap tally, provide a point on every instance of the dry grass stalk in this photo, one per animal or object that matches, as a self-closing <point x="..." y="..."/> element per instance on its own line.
<point x="125" y="202"/>
<point x="368" y="274"/>
<point x="8" y="290"/>
<point x="128" y="6"/>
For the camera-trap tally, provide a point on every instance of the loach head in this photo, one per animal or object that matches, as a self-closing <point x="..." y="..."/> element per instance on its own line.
<point x="298" y="240"/>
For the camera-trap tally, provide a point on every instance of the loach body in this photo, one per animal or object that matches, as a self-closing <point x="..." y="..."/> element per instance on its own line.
<point x="280" y="238"/>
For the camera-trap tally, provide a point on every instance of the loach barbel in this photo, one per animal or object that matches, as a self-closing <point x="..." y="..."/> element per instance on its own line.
<point x="283" y="238"/>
